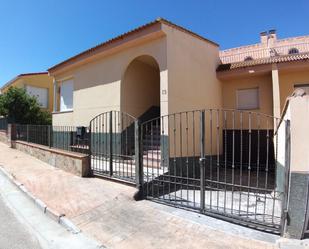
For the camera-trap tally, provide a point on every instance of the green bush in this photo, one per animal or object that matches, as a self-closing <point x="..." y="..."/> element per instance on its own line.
<point x="21" y="108"/>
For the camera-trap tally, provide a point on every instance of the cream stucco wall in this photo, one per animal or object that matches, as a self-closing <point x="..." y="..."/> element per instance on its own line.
<point x="63" y="119"/>
<point x="287" y="81"/>
<point x="299" y="115"/>
<point x="192" y="79"/>
<point x="187" y="76"/>
<point x="264" y="84"/>
<point x="192" y="85"/>
<point x="97" y="84"/>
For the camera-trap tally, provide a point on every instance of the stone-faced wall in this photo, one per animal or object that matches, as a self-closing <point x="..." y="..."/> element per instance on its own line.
<point x="72" y="162"/>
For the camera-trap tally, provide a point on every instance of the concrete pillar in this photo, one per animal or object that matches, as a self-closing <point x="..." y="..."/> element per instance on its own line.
<point x="11" y="134"/>
<point x="298" y="112"/>
<point x="164" y="121"/>
<point x="276" y="92"/>
<point x="55" y="95"/>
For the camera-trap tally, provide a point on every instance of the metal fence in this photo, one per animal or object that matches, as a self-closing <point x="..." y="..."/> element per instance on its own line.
<point x="112" y="147"/>
<point x="3" y="123"/>
<point x="69" y="138"/>
<point x="220" y="162"/>
<point x="225" y="163"/>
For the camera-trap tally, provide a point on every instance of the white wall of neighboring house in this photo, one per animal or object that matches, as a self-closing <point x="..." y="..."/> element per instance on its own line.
<point x="40" y="93"/>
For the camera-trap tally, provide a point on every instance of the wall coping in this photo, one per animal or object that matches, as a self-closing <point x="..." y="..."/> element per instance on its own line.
<point x="57" y="151"/>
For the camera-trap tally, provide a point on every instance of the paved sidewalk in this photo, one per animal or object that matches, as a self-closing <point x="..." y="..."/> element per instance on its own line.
<point x="23" y="225"/>
<point x="106" y="211"/>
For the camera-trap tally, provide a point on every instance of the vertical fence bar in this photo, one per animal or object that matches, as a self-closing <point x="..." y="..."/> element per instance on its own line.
<point x="287" y="176"/>
<point x="49" y="136"/>
<point x="138" y="157"/>
<point x="89" y="150"/>
<point x="202" y="159"/>
<point x="111" y="143"/>
<point x="27" y="127"/>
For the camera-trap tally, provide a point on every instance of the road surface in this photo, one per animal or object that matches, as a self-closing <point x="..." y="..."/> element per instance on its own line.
<point x="14" y="234"/>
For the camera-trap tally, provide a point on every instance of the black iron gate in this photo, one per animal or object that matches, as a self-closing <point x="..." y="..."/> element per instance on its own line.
<point x="112" y="145"/>
<point x="229" y="164"/>
<point x="224" y="163"/>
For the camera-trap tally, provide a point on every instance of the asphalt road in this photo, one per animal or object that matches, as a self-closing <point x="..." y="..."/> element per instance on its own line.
<point x="13" y="233"/>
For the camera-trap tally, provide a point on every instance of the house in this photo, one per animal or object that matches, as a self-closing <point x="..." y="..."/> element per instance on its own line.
<point x="38" y="84"/>
<point x="261" y="76"/>
<point x="183" y="71"/>
<point x="178" y="65"/>
<point x="190" y="124"/>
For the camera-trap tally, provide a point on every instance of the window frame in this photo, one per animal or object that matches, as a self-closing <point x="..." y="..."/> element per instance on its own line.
<point x="61" y="82"/>
<point x="248" y="108"/>
<point x="301" y="85"/>
<point x="293" y="51"/>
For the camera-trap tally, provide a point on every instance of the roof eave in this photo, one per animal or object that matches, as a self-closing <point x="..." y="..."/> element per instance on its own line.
<point x="154" y="26"/>
<point x="20" y="76"/>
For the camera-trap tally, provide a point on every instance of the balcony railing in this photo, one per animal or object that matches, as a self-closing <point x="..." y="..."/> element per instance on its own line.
<point x="266" y="52"/>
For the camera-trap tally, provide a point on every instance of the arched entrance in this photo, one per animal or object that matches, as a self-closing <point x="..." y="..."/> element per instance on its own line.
<point x="140" y="88"/>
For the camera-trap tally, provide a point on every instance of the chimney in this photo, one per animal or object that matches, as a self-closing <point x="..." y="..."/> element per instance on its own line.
<point x="264" y="37"/>
<point x="272" y="37"/>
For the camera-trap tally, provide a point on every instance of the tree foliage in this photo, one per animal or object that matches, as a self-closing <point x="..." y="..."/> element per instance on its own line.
<point x="21" y="108"/>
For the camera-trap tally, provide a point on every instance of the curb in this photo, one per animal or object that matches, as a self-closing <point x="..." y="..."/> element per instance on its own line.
<point x="59" y="218"/>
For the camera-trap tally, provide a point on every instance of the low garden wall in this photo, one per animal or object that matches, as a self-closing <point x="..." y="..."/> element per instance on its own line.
<point x="75" y="163"/>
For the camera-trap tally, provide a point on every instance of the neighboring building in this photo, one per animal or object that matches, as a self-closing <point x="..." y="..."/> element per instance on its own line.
<point x="39" y="85"/>
<point x="166" y="66"/>
<point x="261" y="76"/>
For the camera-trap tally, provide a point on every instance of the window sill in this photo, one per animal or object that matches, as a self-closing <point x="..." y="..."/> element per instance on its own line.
<point x="61" y="112"/>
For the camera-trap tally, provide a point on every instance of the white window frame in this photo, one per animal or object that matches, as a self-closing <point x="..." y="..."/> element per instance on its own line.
<point x="302" y="86"/>
<point x="253" y="107"/>
<point x="63" y="82"/>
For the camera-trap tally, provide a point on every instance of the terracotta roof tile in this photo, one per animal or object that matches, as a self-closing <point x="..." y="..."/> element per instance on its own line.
<point x="120" y="37"/>
<point x="263" y="61"/>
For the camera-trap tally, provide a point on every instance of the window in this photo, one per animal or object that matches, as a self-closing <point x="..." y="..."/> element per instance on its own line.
<point x="40" y="93"/>
<point x="248" y="58"/>
<point x="305" y="87"/>
<point x="293" y="51"/>
<point x="66" y="95"/>
<point x="247" y="99"/>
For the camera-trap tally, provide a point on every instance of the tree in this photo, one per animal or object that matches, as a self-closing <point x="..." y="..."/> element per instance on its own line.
<point x="21" y="108"/>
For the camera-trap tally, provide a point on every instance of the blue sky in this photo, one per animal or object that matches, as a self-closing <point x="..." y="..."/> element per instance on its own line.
<point x="36" y="34"/>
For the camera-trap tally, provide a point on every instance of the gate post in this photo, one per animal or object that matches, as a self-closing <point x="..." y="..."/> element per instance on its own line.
<point x="202" y="160"/>
<point x="284" y="214"/>
<point x="138" y="162"/>
<point x="27" y="127"/>
<point x="90" y="172"/>
<point x="298" y="192"/>
<point x="111" y="143"/>
<point x="49" y="136"/>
